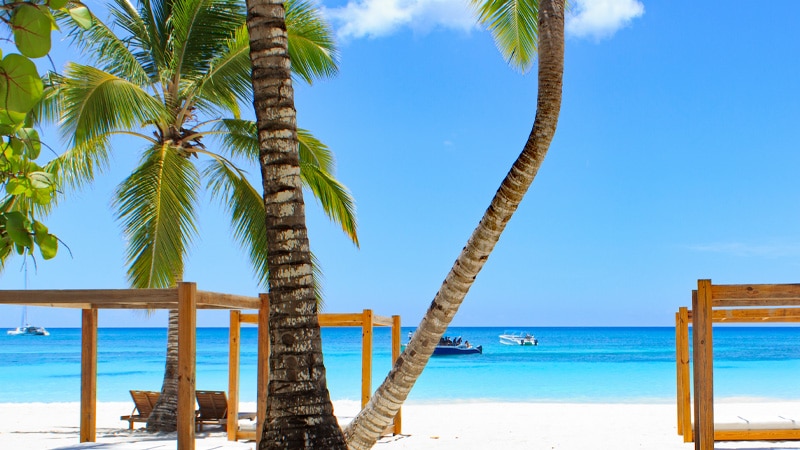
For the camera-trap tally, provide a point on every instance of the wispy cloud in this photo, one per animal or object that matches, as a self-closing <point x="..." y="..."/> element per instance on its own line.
<point x="601" y="18"/>
<point x="376" y="18"/>
<point x="769" y="250"/>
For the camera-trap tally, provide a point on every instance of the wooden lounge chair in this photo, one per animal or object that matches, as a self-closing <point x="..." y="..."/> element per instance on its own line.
<point x="213" y="408"/>
<point x="144" y="402"/>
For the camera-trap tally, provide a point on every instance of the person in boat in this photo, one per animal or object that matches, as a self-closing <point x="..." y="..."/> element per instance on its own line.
<point x="466" y="344"/>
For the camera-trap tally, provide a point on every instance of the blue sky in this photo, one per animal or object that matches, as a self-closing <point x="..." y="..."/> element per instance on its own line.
<point x="675" y="159"/>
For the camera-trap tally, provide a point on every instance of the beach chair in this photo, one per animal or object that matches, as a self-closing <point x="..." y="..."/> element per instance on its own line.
<point x="213" y="409"/>
<point x="144" y="402"/>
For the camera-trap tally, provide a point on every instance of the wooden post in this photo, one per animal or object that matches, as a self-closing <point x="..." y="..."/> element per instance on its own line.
<point x="703" y="367"/>
<point x="263" y="366"/>
<point x="187" y="344"/>
<point x="684" y="379"/>
<point x="88" y="432"/>
<point x="234" y="341"/>
<point x="396" y="336"/>
<point x="366" y="357"/>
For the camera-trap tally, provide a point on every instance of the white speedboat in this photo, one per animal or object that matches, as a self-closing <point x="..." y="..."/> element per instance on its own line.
<point x="26" y="329"/>
<point x="518" y="338"/>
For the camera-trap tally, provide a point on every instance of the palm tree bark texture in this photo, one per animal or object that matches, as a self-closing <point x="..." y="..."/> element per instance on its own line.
<point x="299" y="411"/>
<point x="366" y="428"/>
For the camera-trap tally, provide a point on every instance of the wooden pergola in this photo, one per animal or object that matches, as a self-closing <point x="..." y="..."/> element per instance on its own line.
<point x="366" y="320"/>
<point x="755" y="303"/>
<point x="186" y="299"/>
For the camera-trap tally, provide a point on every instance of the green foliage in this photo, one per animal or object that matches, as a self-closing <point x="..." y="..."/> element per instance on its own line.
<point x="174" y="73"/>
<point x="26" y="184"/>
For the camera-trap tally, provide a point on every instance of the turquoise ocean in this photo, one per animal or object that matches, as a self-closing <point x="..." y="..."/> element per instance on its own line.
<point x="569" y="364"/>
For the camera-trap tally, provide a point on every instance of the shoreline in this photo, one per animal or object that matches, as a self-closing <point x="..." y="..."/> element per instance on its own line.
<point x="464" y="424"/>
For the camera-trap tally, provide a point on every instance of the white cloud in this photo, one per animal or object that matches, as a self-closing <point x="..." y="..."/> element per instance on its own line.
<point x="374" y="18"/>
<point x="601" y="18"/>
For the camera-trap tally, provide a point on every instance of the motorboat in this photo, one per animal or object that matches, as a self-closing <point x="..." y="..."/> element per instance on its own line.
<point x="448" y="346"/>
<point x="518" y="338"/>
<point x="26" y="329"/>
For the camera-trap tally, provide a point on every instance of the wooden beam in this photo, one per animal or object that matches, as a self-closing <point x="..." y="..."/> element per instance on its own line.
<point x="340" y="320"/>
<point x="263" y="366"/>
<point x="684" y="375"/>
<point x="396" y="336"/>
<point x="703" y="367"/>
<point x="248" y="318"/>
<point x="234" y="339"/>
<point x="206" y="299"/>
<point x="187" y="356"/>
<point x="88" y="432"/>
<point x="366" y="357"/>
<point x="739" y="294"/>
<point x="99" y="297"/>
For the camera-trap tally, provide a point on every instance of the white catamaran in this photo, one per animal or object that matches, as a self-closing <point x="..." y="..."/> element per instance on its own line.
<point x="26" y="329"/>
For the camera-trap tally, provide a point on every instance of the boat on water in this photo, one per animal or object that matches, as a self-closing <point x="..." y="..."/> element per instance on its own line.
<point x="518" y="338"/>
<point x="448" y="346"/>
<point x="25" y="329"/>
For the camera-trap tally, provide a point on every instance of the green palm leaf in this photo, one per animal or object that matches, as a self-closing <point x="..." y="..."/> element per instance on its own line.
<point x="200" y="30"/>
<point x="97" y="103"/>
<point x="112" y="54"/>
<point x="515" y="27"/>
<point x="156" y="206"/>
<point x="227" y="82"/>
<point x="316" y="170"/>
<point x="310" y="41"/>
<point x="246" y="206"/>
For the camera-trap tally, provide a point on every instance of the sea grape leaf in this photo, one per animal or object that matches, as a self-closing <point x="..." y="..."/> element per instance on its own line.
<point x="17" y="231"/>
<point x="81" y="16"/>
<point x="31" y="138"/>
<point x="48" y="244"/>
<point x="57" y="4"/>
<point x="16" y="186"/>
<point x="41" y="180"/>
<point x="20" y="88"/>
<point x="32" y="29"/>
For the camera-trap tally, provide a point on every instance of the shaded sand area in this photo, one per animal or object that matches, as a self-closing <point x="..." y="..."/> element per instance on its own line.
<point x="455" y="425"/>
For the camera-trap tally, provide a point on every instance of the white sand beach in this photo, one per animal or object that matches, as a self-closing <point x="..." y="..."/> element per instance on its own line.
<point x="455" y="425"/>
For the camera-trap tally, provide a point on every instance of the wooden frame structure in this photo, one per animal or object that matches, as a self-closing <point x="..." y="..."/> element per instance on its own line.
<point x="185" y="298"/>
<point x="758" y="303"/>
<point x="366" y="320"/>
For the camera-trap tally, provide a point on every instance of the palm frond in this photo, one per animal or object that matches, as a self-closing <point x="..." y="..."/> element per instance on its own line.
<point x="78" y="166"/>
<point x="227" y="82"/>
<point x="112" y="54"/>
<point x="334" y="198"/>
<point x="201" y="29"/>
<point x="156" y="205"/>
<point x="514" y="24"/>
<point x="312" y="49"/>
<point x="316" y="169"/>
<point x="246" y="206"/>
<point x="240" y="138"/>
<point x="97" y="103"/>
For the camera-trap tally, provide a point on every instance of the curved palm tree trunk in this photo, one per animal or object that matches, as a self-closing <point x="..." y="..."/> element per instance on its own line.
<point x="165" y="412"/>
<point x="299" y="411"/>
<point x="365" y="429"/>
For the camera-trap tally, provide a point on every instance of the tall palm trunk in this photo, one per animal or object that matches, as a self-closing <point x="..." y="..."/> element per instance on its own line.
<point x="165" y="412"/>
<point x="365" y="429"/>
<point x="299" y="411"/>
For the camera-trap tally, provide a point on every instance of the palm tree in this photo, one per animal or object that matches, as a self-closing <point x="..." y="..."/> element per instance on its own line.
<point x="299" y="411"/>
<point x="174" y="77"/>
<point x="504" y="17"/>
